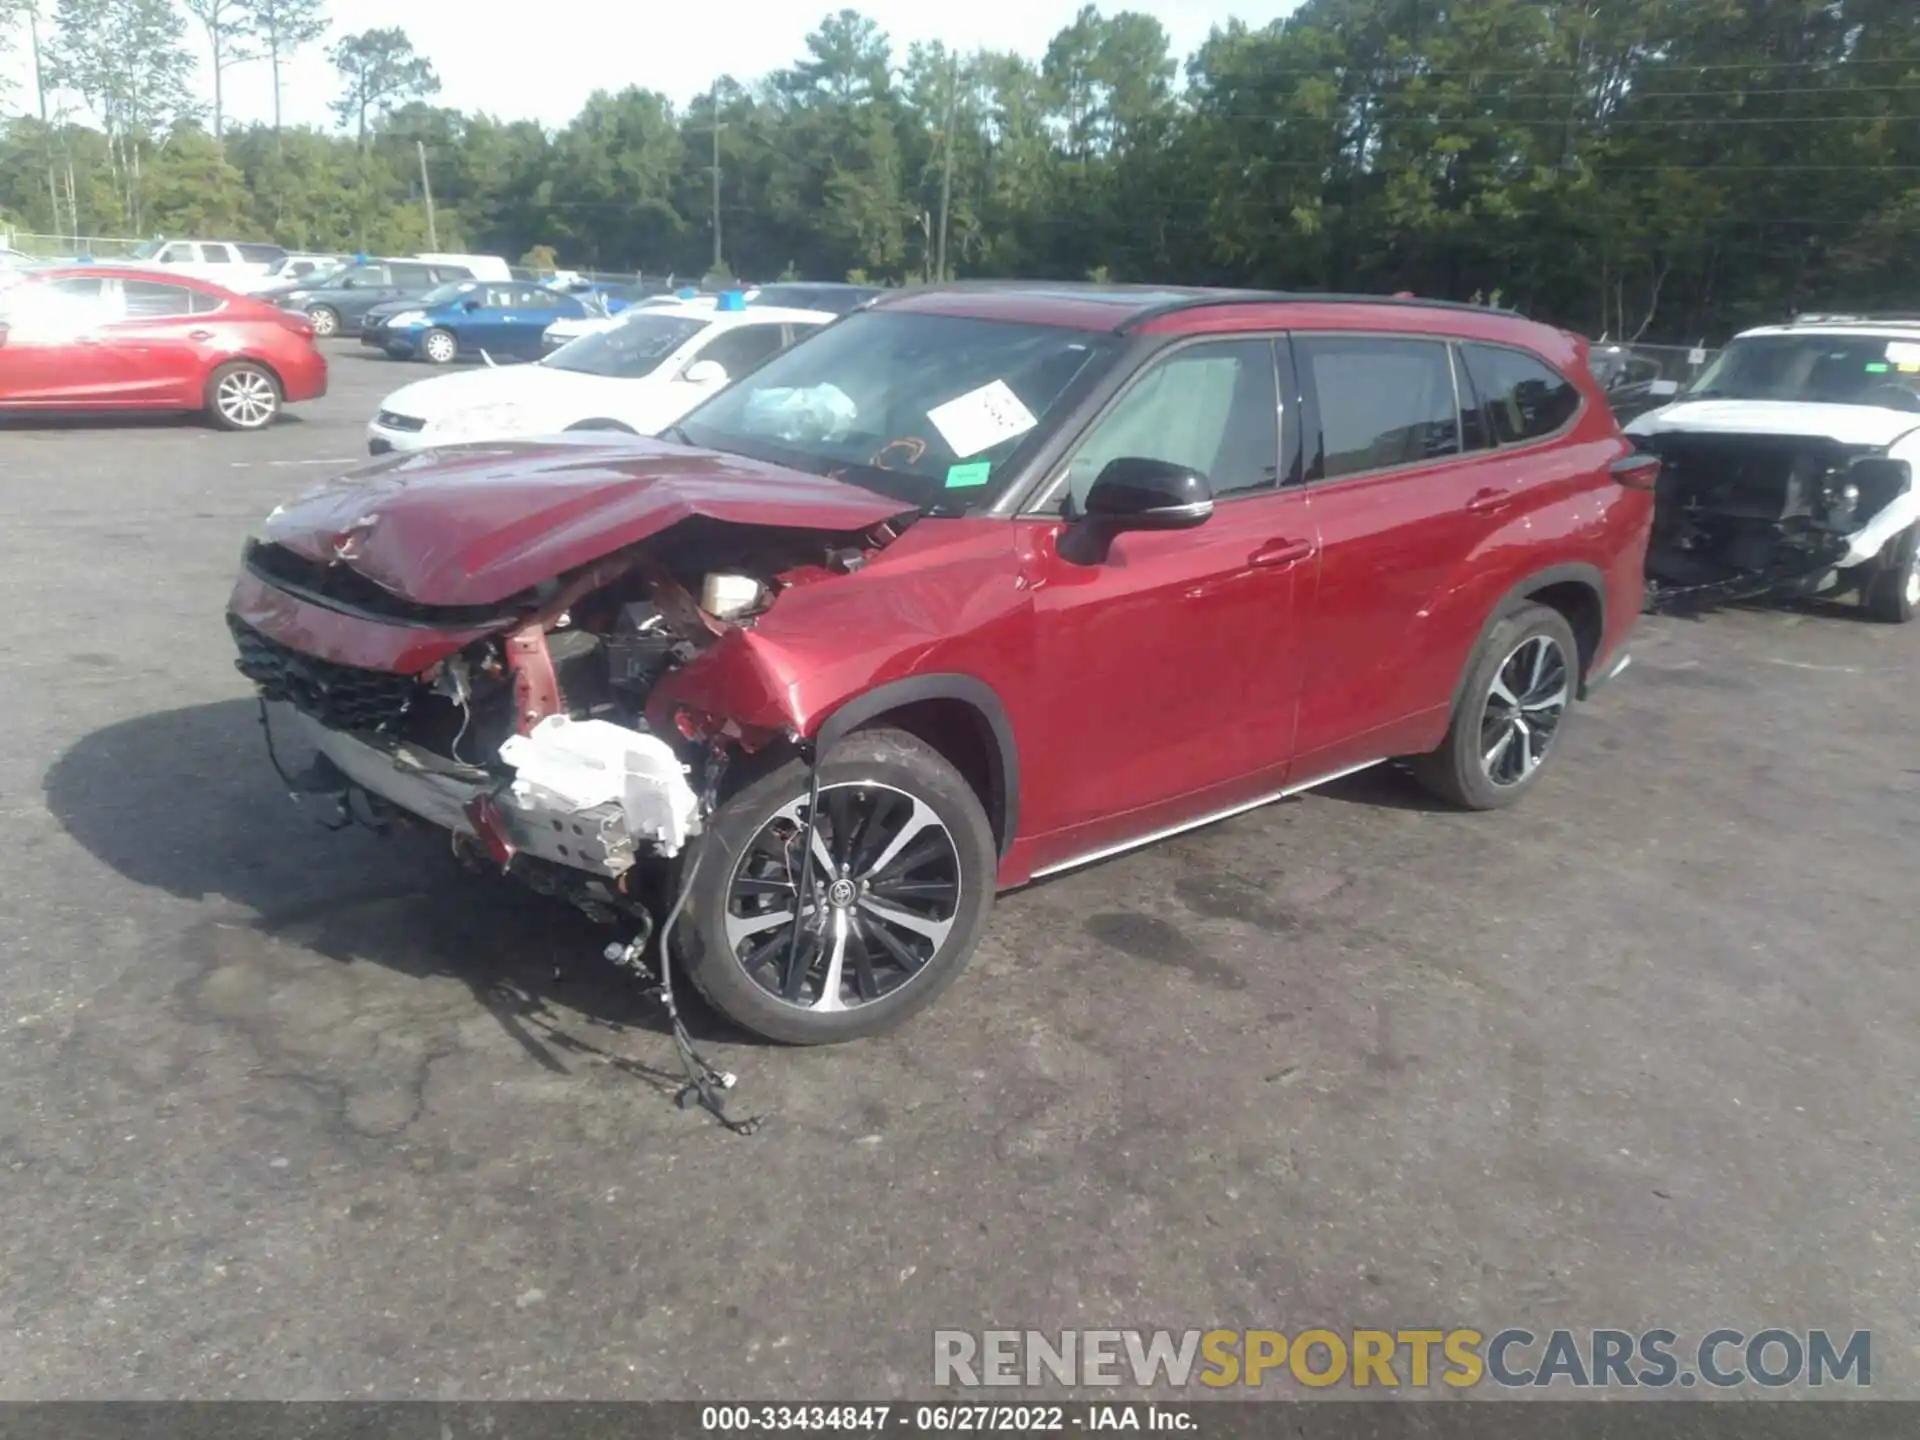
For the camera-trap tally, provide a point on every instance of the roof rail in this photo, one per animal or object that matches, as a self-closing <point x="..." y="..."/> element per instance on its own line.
<point x="1858" y="317"/>
<point x="1310" y="297"/>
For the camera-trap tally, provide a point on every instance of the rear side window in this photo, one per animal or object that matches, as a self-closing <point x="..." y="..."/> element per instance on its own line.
<point x="262" y="254"/>
<point x="153" y="300"/>
<point x="452" y="272"/>
<point x="1384" y="401"/>
<point x="1525" y="398"/>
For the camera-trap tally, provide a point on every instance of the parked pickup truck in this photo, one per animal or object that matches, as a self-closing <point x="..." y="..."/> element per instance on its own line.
<point x="241" y="266"/>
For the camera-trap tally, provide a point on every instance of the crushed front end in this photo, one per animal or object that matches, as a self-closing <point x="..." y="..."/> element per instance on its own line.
<point x="521" y="728"/>
<point x="1740" y="516"/>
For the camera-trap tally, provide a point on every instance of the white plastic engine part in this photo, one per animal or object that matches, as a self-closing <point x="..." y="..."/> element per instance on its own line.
<point x="728" y="596"/>
<point x="572" y="765"/>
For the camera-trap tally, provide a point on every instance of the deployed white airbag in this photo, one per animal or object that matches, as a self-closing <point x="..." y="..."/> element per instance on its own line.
<point x="573" y="765"/>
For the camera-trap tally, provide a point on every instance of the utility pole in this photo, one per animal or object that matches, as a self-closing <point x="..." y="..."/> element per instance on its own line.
<point x="946" y="173"/>
<point x="713" y="99"/>
<point x="426" y="188"/>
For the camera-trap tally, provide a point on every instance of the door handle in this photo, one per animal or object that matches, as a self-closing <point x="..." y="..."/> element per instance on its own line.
<point x="1485" y="502"/>
<point x="86" y="340"/>
<point x="200" y="334"/>
<point x="1276" y="554"/>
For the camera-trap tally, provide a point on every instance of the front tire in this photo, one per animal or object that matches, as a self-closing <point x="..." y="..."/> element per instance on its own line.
<point x="1519" y="686"/>
<point x="902" y="883"/>
<point x="439" y="346"/>
<point x="1892" y="595"/>
<point x="243" y="396"/>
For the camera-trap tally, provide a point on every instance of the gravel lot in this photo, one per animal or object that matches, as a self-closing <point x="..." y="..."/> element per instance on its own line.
<point x="295" y="1114"/>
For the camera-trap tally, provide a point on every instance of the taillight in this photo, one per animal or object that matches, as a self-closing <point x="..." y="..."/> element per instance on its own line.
<point x="1638" y="471"/>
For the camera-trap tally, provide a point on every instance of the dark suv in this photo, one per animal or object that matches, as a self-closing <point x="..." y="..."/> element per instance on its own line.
<point x="336" y="303"/>
<point x="974" y="586"/>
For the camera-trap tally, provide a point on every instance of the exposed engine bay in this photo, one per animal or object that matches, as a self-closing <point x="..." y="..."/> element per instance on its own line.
<point x="532" y="744"/>
<point x="1746" y="515"/>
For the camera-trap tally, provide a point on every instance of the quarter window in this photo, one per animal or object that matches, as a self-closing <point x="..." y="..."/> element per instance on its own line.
<point x="1384" y="402"/>
<point x="1525" y="398"/>
<point x="1212" y="407"/>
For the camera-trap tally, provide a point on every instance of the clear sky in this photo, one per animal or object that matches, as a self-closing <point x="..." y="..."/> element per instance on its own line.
<point x="525" y="61"/>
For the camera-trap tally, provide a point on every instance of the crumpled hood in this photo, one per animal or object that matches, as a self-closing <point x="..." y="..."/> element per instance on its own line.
<point x="1846" y="424"/>
<point x="475" y="524"/>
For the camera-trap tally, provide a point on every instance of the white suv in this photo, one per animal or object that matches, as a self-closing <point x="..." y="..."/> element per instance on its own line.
<point x="1790" y="467"/>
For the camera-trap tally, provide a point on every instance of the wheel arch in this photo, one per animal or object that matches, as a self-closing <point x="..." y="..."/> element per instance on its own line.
<point x="959" y="715"/>
<point x="1578" y="591"/>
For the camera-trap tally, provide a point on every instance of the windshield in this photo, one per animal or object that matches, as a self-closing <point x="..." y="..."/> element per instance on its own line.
<point x="629" y="350"/>
<point x="448" y="293"/>
<point x="1821" y="369"/>
<point x="929" y="409"/>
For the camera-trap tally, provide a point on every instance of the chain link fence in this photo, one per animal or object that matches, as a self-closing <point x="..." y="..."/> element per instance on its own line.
<point x="1638" y="378"/>
<point x="69" y="247"/>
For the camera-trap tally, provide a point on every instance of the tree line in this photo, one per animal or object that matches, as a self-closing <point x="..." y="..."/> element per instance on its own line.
<point x="1660" y="169"/>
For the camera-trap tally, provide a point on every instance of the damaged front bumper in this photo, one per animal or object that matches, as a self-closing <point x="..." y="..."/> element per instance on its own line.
<point x="502" y="819"/>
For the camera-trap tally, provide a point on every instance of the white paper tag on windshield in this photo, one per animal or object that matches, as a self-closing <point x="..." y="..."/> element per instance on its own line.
<point x="1663" y="387"/>
<point x="1903" y="352"/>
<point x="1696" y="356"/>
<point x="981" y="419"/>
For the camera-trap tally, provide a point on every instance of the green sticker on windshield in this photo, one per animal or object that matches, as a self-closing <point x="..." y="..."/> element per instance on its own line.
<point x="965" y="477"/>
<point x="1876" y="368"/>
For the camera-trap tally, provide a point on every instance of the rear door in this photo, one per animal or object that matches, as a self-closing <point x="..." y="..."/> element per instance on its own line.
<point x="1404" y="493"/>
<point x="527" y="318"/>
<point x="164" y="350"/>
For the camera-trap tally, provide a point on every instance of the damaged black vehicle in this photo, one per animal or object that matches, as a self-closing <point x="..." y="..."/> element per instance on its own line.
<point x="1788" y="469"/>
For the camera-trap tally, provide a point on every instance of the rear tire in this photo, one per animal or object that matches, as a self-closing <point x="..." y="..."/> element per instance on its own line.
<point x="439" y="347"/>
<point x="1513" y="705"/>
<point x="902" y="930"/>
<point x="324" y="319"/>
<point x="243" y="396"/>
<point x="1892" y="595"/>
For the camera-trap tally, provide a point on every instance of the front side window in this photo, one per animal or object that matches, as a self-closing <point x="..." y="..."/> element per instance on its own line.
<point x="1384" y="401"/>
<point x="447" y="294"/>
<point x="743" y="348"/>
<point x="1525" y="398"/>
<point x="413" y="275"/>
<point x="1212" y="407"/>
<point x="216" y="254"/>
<point x="362" y="277"/>
<point x="932" y="410"/>
<point x="628" y="351"/>
<point x="178" y="254"/>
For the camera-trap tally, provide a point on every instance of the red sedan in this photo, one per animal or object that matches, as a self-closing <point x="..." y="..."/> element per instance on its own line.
<point x="98" y="338"/>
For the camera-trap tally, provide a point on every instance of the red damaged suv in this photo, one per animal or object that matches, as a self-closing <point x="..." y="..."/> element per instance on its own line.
<point x="976" y="585"/>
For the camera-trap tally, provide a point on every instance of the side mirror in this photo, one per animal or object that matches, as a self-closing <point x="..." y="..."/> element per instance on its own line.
<point x="470" y="306"/>
<point x="1134" y="493"/>
<point x="705" y="372"/>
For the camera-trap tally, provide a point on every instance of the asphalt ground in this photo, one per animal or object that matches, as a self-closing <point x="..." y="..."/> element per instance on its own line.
<point x="286" y="1113"/>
